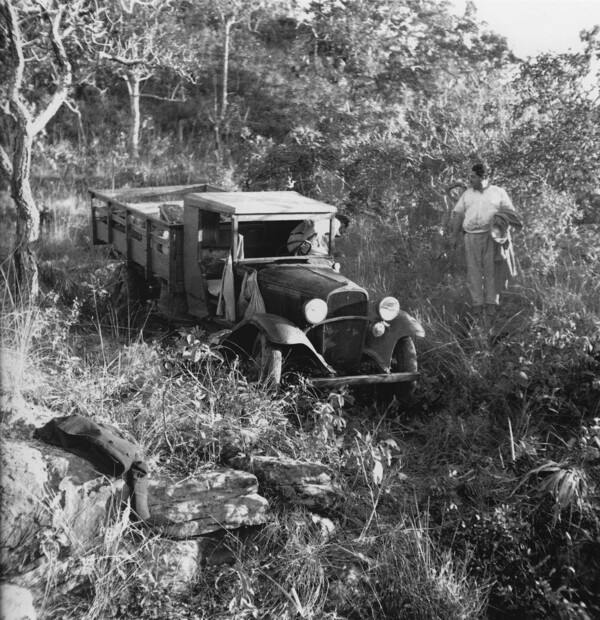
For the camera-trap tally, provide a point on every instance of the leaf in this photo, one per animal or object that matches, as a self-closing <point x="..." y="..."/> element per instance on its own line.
<point x="521" y="379"/>
<point x="550" y="483"/>
<point x="548" y="466"/>
<point x="377" y="473"/>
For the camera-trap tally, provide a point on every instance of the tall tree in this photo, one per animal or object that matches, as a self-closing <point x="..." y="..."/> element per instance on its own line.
<point x="224" y="18"/>
<point x="37" y="76"/>
<point x="139" y="38"/>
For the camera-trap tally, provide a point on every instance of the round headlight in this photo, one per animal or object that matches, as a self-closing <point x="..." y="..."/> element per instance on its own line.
<point x="388" y="308"/>
<point x="315" y="311"/>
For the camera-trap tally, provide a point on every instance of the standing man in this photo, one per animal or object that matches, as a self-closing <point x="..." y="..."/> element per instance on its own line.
<point x="474" y="214"/>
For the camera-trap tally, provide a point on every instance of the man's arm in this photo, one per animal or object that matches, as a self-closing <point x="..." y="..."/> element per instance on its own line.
<point x="505" y="201"/>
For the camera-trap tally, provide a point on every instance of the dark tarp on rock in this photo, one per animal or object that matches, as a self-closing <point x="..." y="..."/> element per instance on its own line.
<point x="106" y="448"/>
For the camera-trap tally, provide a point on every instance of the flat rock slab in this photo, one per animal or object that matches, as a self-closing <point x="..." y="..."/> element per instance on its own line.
<point x="209" y="501"/>
<point x="310" y="484"/>
<point x="43" y="487"/>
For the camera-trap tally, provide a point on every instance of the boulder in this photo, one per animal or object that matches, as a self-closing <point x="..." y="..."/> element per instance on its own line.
<point x="16" y="603"/>
<point x="310" y="484"/>
<point x="173" y="564"/>
<point x="207" y="502"/>
<point x="50" y="498"/>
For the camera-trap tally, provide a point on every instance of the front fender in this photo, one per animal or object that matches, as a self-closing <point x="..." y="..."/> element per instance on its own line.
<point x="381" y="349"/>
<point x="277" y="331"/>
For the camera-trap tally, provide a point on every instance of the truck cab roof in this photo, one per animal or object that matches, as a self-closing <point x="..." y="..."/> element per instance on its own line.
<point x="257" y="206"/>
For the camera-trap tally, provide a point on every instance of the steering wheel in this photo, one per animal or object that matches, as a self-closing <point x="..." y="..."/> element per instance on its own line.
<point x="302" y="249"/>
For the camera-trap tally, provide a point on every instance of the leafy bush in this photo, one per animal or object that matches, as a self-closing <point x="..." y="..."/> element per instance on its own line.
<point x="549" y="217"/>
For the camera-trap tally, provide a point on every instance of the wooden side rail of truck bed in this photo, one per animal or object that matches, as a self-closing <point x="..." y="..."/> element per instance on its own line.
<point x="131" y="221"/>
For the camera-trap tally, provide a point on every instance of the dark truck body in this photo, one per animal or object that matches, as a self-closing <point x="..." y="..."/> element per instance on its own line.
<point x="202" y="247"/>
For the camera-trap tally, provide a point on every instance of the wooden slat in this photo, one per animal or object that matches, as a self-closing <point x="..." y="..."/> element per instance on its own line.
<point x="148" y="255"/>
<point x="102" y="231"/>
<point x="94" y="221"/>
<point x="177" y="249"/>
<point x="109" y="221"/>
<point x="172" y="262"/>
<point x="128" y="236"/>
<point x="195" y="285"/>
<point x="138" y="252"/>
<point x="119" y="240"/>
<point x="138" y="229"/>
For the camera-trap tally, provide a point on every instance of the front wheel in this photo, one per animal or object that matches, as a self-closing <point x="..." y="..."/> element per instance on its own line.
<point x="404" y="359"/>
<point x="268" y="362"/>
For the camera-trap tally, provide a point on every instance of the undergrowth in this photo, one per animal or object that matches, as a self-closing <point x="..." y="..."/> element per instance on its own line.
<point x="480" y="500"/>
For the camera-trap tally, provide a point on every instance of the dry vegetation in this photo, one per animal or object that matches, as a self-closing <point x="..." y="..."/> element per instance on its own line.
<point x="478" y="501"/>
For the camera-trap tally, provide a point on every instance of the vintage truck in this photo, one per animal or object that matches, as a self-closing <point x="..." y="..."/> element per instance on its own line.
<point x="225" y="257"/>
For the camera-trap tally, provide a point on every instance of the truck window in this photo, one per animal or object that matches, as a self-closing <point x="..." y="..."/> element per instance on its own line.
<point x="215" y="243"/>
<point x="215" y="229"/>
<point x="265" y="239"/>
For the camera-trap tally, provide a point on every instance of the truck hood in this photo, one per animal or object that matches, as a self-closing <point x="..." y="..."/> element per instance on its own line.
<point x="305" y="281"/>
<point x="286" y="288"/>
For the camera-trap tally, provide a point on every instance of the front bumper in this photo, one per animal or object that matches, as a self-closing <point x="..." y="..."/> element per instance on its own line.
<point x="392" y="377"/>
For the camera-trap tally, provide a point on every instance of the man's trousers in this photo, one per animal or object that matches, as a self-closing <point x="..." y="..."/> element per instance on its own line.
<point x="480" y="252"/>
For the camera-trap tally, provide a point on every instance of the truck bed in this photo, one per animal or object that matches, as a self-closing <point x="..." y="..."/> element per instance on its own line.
<point x="135" y="222"/>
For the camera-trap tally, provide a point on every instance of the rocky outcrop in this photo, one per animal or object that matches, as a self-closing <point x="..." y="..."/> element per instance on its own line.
<point x="210" y="501"/>
<point x="55" y="506"/>
<point x="310" y="484"/>
<point x="45" y="489"/>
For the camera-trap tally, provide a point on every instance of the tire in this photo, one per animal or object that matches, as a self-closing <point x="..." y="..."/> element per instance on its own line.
<point x="267" y="360"/>
<point x="404" y="359"/>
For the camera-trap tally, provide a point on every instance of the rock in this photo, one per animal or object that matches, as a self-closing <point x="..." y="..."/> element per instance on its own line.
<point x="326" y="527"/>
<point x="16" y="603"/>
<point x="19" y="417"/>
<point x="40" y="572"/>
<point x="299" y="482"/>
<point x="174" y="564"/>
<point x="210" y="501"/>
<point x="51" y="499"/>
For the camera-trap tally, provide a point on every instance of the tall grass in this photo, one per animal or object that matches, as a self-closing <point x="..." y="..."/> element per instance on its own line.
<point x="384" y="552"/>
<point x="24" y="339"/>
<point x="296" y="569"/>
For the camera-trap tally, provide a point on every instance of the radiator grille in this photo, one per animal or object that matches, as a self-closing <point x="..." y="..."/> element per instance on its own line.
<point x="347" y="303"/>
<point x="341" y="342"/>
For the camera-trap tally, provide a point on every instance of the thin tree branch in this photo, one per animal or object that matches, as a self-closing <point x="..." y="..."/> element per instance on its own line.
<point x="127" y="62"/>
<point x="16" y="107"/>
<point x="64" y="78"/>
<point x="158" y="98"/>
